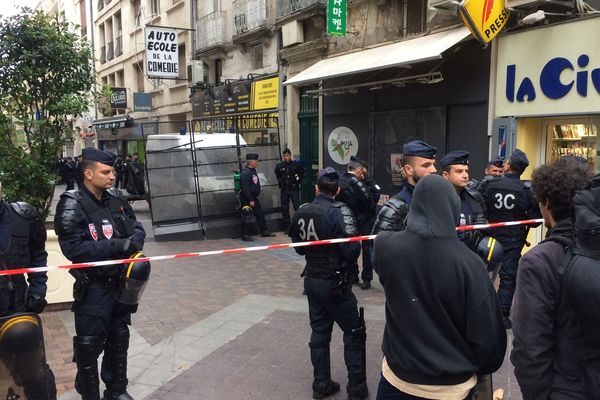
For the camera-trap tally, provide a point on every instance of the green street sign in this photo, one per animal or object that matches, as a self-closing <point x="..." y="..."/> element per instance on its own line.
<point x="336" y="17"/>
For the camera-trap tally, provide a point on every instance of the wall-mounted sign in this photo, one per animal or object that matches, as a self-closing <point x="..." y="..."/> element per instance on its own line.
<point x="240" y="93"/>
<point x="217" y="100"/>
<point x="142" y="102"/>
<point x="396" y="168"/>
<point x="118" y="97"/>
<point x="336" y="17"/>
<point x="265" y="94"/>
<point x="162" y="53"/>
<point x="546" y="72"/>
<point x="342" y="144"/>
<point x="484" y="18"/>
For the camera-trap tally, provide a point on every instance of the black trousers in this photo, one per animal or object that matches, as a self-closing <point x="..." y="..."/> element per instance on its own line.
<point x="287" y="195"/>
<point x="386" y="391"/>
<point x="323" y="311"/>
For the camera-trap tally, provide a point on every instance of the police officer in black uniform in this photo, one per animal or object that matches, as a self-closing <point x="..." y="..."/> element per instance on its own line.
<point x="289" y="175"/>
<point x="418" y="159"/>
<point x="250" y="204"/>
<point x="493" y="169"/>
<point x="455" y="169"/>
<point x="97" y="223"/>
<point x="22" y="244"/>
<point x="508" y="198"/>
<point x="330" y="297"/>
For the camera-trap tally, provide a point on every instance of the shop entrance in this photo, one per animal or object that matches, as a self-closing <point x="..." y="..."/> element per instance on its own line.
<point x="309" y="143"/>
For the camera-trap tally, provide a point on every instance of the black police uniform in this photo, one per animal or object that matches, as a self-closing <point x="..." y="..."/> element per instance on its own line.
<point x="507" y="198"/>
<point x="94" y="230"/>
<point x="289" y="177"/>
<point x="22" y="242"/>
<point x="249" y="191"/>
<point x="330" y="297"/>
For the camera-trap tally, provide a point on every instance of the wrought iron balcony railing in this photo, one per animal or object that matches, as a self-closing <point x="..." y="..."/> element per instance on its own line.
<point x="210" y="30"/>
<point x="249" y="14"/>
<point x="287" y="7"/>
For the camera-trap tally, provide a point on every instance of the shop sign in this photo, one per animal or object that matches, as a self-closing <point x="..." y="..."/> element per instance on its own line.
<point x="336" y="17"/>
<point x="162" y="53"/>
<point x="197" y="100"/>
<point x="265" y="94"/>
<point x="342" y="144"/>
<point x="217" y="100"/>
<point x="484" y="18"/>
<point x="142" y="102"/>
<point x="548" y="71"/>
<point x="118" y="97"/>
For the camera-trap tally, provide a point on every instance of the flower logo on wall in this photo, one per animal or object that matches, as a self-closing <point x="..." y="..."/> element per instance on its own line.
<point x="342" y="144"/>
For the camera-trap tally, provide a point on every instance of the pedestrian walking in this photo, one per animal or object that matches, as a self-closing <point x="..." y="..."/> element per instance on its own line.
<point x="249" y="199"/>
<point x="289" y="175"/>
<point x="329" y="293"/>
<point x="97" y="223"/>
<point x="443" y="322"/>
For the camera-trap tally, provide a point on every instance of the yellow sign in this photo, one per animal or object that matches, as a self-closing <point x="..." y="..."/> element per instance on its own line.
<point x="265" y="94"/>
<point x="484" y="18"/>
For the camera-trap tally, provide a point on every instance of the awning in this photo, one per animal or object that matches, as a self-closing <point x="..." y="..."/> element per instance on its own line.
<point x="121" y="121"/>
<point x="424" y="48"/>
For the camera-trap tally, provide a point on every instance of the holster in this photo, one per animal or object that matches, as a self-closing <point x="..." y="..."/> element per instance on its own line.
<point x="83" y="281"/>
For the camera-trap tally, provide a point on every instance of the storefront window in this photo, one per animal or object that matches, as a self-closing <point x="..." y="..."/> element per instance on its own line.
<point x="577" y="137"/>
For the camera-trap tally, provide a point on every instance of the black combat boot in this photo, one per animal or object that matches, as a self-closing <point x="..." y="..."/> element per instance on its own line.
<point x="86" y="351"/>
<point x="357" y="388"/>
<point x="110" y="395"/>
<point x="324" y="388"/>
<point x="114" y="364"/>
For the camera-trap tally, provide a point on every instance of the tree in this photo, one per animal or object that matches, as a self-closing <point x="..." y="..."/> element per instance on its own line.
<point x="45" y="80"/>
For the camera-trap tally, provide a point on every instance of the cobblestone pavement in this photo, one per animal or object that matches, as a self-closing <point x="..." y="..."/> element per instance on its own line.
<point x="226" y="327"/>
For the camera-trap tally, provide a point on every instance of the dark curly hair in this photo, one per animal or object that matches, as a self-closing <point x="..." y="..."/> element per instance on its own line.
<point x="556" y="183"/>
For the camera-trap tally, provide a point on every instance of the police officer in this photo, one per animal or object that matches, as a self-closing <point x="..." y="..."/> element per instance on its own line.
<point x="508" y="198"/>
<point x="455" y="169"/>
<point x="493" y="169"/>
<point x="22" y="244"/>
<point x="250" y="204"/>
<point x="97" y="223"/>
<point x="418" y="159"/>
<point x="329" y="294"/>
<point x="289" y="175"/>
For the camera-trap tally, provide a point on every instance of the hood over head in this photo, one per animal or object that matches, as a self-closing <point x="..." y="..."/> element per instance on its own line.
<point x="435" y="209"/>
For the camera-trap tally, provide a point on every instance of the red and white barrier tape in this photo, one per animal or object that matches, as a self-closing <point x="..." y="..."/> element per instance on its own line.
<point x="241" y="249"/>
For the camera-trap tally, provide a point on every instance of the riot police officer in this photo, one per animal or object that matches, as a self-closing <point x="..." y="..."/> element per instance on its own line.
<point x="329" y="294"/>
<point x="97" y="223"/>
<point x="493" y="169"/>
<point x="22" y="244"/>
<point x="356" y="193"/>
<point x="508" y="198"/>
<point x="418" y="159"/>
<point x="249" y="201"/>
<point x="455" y="169"/>
<point x="289" y="175"/>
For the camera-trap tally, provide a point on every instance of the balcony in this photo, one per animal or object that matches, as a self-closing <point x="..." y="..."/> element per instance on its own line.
<point x="210" y="31"/>
<point x="249" y="14"/>
<point x="118" y="46"/>
<point x="102" y="54"/>
<point x="110" y="51"/>
<point x="288" y="7"/>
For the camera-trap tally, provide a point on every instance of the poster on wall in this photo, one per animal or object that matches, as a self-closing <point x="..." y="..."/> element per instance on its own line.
<point x="396" y="168"/>
<point x="342" y="144"/>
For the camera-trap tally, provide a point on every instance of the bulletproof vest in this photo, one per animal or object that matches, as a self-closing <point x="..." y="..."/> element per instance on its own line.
<point x="16" y="255"/>
<point x="504" y="200"/>
<point x="311" y="224"/>
<point x="288" y="177"/>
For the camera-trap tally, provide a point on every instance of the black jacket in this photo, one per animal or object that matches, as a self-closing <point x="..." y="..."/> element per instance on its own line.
<point x="289" y="175"/>
<point x="546" y="331"/>
<point x="249" y="185"/>
<point x="443" y="322"/>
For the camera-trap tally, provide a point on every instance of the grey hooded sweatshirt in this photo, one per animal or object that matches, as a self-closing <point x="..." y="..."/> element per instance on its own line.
<point x="443" y="322"/>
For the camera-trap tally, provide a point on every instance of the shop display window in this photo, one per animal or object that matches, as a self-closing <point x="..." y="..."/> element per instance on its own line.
<point x="575" y="137"/>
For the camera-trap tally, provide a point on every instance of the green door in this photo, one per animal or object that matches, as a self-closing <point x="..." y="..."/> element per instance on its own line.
<point x="309" y="142"/>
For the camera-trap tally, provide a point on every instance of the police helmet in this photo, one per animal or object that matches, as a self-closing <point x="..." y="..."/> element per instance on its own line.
<point x="491" y="251"/>
<point x="247" y="211"/>
<point x="135" y="279"/>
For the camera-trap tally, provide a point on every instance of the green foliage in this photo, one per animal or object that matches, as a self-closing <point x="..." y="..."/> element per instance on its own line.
<point x="45" y="80"/>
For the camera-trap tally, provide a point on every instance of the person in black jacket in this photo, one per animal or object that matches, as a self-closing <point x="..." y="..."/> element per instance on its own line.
<point x="93" y="224"/>
<point x="249" y="201"/>
<point x="289" y="175"/>
<point x="329" y="294"/>
<point x="545" y="327"/>
<point x="443" y="322"/>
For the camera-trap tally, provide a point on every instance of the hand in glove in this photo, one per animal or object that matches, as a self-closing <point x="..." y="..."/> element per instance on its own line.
<point x="35" y="303"/>
<point x="126" y="246"/>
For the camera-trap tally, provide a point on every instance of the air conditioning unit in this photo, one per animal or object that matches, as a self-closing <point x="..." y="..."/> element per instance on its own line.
<point x="197" y="71"/>
<point x="292" y="33"/>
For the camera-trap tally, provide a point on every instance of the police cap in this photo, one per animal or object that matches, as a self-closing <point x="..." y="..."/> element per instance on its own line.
<point x="103" y="157"/>
<point x="419" y="148"/>
<point x="356" y="160"/>
<point x="454" y="158"/>
<point x="251" y="156"/>
<point x="496" y="162"/>
<point x="519" y="160"/>
<point x="287" y="151"/>
<point x="328" y="174"/>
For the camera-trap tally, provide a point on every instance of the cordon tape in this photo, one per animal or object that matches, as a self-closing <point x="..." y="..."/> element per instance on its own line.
<point x="26" y="270"/>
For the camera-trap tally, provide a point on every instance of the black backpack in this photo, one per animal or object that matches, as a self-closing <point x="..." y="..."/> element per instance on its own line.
<point x="580" y="270"/>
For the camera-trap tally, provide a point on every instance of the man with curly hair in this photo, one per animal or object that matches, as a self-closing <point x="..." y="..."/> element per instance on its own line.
<point x="545" y="328"/>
